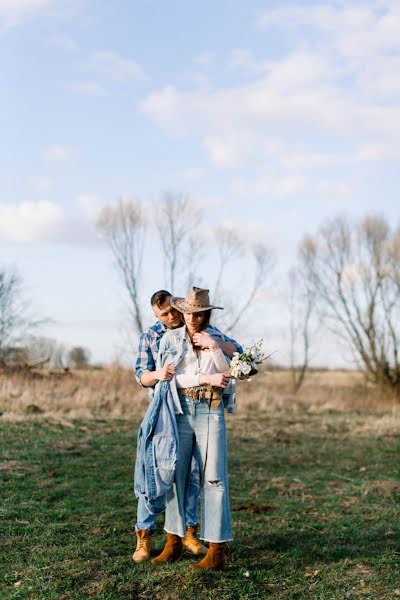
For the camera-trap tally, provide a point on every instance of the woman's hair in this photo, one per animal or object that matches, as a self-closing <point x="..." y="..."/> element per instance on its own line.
<point x="206" y="321"/>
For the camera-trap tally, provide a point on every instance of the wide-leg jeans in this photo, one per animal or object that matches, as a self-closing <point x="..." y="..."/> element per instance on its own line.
<point x="201" y="431"/>
<point x="147" y="519"/>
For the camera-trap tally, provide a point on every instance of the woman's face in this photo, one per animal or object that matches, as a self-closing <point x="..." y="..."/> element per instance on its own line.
<point x="194" y="321"/>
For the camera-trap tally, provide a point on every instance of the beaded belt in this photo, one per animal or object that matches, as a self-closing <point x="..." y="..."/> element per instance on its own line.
<point x="206" y="392"/>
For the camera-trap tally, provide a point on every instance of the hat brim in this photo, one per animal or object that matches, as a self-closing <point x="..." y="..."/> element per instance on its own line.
<point x="185" y="307"/>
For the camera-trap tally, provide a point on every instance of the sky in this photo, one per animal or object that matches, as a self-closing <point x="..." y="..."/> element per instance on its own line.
<point x="273" y="116"/>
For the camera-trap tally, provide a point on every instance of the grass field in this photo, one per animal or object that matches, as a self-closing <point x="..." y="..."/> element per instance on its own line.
<point x="315" y="497"/>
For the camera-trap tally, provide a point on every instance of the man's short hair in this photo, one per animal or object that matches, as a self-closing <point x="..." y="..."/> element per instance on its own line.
<point x="158" y="298"/>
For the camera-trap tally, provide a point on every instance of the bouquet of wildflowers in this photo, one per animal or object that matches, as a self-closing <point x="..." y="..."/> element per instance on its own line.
<point x="244" y="365"/>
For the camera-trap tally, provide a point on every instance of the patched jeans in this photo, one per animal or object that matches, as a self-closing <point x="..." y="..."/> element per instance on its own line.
<point x="201" y="432"/>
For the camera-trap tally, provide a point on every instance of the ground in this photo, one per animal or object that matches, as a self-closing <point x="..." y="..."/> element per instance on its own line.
<point x="315" y="498"/>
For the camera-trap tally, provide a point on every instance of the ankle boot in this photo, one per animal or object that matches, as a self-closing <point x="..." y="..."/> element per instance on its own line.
<point x="192" y="543"/>
<point x="143" y="545"/>
<point x="214" y="559"/>
<point x="172" y="550"/>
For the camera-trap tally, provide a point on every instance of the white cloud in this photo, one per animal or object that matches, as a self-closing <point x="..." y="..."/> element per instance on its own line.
<point x="331" y="95"/>
<point x="354" y="31"/>
<point x="112" y="66"/>
<point x="249" y="148"/>
<point x="36" y="222"/>
<point x="55" y="154"/>
<point x="30" y="222"/>
<point x="14" y="12"/>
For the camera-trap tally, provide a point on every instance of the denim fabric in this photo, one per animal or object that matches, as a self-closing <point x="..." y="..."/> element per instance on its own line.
<point x="157" y="450"/>
<point x="197" y="424"/>
<point x="148" y="486"/>
<point x="192" y="494"/>
<point x="149" y="344"/>
<point x="147" y="512"/>
<point x="173" y="347"/>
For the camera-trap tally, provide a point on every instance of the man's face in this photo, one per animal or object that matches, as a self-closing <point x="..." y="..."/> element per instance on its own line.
<point x="168" y="315"/>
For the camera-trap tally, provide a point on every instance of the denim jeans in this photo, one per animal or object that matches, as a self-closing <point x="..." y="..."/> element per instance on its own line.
<point x="201" y="431"/>
<point x="147" y="520"/>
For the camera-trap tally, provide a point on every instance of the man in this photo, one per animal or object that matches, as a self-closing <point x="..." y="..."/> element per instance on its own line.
<point x="147" y="376"/>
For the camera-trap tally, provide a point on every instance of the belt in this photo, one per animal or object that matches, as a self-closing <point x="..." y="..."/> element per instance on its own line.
<point x="203" y="392"/>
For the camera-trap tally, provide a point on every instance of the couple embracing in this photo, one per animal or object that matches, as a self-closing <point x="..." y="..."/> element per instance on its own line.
<point x="182" y="445"/>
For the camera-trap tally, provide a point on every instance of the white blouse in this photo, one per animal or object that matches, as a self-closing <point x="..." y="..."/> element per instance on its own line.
<point x="199" y="362"/>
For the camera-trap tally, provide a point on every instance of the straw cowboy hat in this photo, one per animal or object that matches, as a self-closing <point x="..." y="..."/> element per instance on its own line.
<point x="196" y="301"/>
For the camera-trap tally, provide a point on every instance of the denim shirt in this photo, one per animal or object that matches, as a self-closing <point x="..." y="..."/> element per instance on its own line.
<point x="157" y="449"/>
<point x="173" y="347"/>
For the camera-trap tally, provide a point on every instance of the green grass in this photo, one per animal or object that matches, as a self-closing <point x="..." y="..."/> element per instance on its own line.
<point x="315" y="512"/>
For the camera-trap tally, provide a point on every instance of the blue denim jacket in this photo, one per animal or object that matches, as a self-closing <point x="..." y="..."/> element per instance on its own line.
<point x="157" y="449"/>
<point x="158" y="439"/>
<point x="173" y="347"/>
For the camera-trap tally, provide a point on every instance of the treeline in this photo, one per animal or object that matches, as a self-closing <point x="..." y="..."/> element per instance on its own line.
<point x="345" y="281"/>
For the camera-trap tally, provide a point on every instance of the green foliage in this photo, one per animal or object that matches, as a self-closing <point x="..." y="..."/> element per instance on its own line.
<point x="315" y="513"/>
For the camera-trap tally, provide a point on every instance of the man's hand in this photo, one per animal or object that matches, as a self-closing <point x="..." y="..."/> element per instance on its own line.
<point x="204" y="340"/>
<point x="166" y="373"/>
<point x="219" y="379"/>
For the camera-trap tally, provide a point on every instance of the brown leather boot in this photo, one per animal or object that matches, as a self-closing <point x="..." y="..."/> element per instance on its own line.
<point x="192" y="543"/>
<point x="143" y="545"/>
<point x="172" y="550"/>
<point x="214" y="559"/>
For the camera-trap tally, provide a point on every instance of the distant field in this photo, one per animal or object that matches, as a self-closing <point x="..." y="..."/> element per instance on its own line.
<point x="315" y="493"/>
<point x="114" y="392"/>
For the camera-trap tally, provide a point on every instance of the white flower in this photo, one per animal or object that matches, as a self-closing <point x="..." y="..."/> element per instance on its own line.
<point x="235" y="372"/>
<point x="245" y="367"/>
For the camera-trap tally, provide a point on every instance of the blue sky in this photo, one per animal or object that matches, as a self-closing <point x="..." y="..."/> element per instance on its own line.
<point x="273" y="115"/>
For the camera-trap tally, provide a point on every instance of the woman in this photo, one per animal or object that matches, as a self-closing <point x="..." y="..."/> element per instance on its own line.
<point x="200" y="377"/>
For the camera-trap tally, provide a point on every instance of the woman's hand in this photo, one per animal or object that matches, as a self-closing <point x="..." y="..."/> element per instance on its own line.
<point x="166" y="373"/>
<point x="204" y="340"/>
<point x="219" y="379"/>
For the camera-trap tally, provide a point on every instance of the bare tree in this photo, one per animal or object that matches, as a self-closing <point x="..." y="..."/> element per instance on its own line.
<point x="42" y="347"/>
<point x="263" y="262"/>
<point x="192" y="260"/>
<point x="123" y="228"/>
<point x="14" y="319"/>
<point x="79" y="357"/>
<point x="230" y="248"/>
<point x="355" y="273"/>
<point x="301" y="305"/>
<point x="177" y="217"/>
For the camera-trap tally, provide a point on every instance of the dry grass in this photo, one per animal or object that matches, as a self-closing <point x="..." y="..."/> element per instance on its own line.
<point x="81" y="393"/>
<point x="113" y="392"/>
